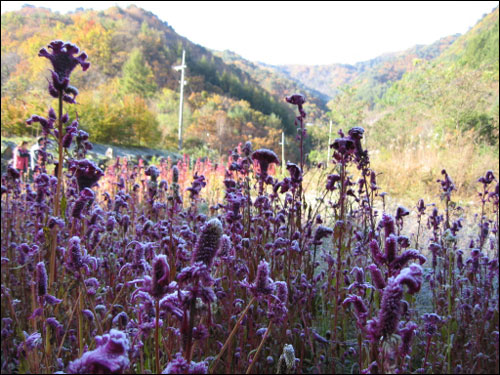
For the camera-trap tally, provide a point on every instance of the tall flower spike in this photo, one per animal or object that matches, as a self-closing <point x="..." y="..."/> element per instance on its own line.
<point x="161" y="274"/>
<point x="263" y="284"/>
<point x="41" y="279"/>
<point x="208" y="243"/>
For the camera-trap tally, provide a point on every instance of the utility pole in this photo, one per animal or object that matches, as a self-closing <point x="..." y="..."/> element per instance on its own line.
<point x="329" y="142"/>
<point x="181" y="67"/>
<point x="283" y="151"/>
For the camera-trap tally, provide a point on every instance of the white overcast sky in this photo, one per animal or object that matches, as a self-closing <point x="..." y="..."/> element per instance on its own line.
<point x="303" y="32"/>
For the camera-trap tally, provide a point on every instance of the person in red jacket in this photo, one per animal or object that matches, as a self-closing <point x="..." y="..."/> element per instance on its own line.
<point x="22" y="158"/>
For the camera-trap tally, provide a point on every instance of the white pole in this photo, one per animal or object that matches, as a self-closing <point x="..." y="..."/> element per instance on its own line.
<point x="181" y="68"/>
<point x="329" y="142"/>
<point x="283" y="152"/>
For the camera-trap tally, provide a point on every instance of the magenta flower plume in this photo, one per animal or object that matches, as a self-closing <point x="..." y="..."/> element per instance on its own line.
<point x="41" y="279"/>
<point x="110" y="356"/>
<point x="388" y="223"/>
<point x="377" y="277"/>
<point x="265" y="157"/>
<point x="263" y="284"/>
<point x="390" y="309"/>
<point x="161" y="274"/>
<point x="208" y="242"/>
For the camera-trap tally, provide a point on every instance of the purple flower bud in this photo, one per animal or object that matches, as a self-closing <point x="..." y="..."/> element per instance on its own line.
<point x="281" y="291"/>
<point x="377" y="256"/>
<point x="321" y="232"/>
<point x="41" y="279"/>
<point x="76" y="261"/>
<point x="407" y="334"/>
<point x="377" y="277"/>
<point x="388" y="224"/>
<point x="161" y="274"/>
<point x="263" y="283"/>
<point x="208" y="242"/>
<point x="390" y="248"/>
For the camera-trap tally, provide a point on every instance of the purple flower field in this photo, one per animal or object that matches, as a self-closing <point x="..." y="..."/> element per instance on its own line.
<point x="125" y="270"/>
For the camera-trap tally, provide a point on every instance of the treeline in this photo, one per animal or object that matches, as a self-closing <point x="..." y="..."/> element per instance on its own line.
<point x="133" y="54"/>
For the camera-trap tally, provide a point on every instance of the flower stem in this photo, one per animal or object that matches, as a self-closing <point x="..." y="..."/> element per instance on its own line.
<point x="157" y="336"/>
<point x="57" y="207"/>
<point x="254" y="359"/>
<point x="228" y="341"/>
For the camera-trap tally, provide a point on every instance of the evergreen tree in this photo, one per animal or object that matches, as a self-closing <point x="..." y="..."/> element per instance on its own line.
<point x="137" y="76"/>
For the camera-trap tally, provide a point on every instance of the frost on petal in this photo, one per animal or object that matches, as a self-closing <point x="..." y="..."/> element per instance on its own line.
<point x="110" y="356"/>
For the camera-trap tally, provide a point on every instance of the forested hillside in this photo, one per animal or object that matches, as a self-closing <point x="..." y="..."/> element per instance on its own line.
<point x="371" y="77"/>
<point x="434" y="104"/>
<point x="131" y="91"/>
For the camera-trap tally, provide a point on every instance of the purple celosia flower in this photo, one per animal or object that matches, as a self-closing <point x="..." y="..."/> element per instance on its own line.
<point x="332" y="179"/>
<point x="391" y="248"/>
<point x="404" y="258"/>
<point x="407" y="334"/>
<point x="179" y="365"/>
<point x="265" y="157"/>
<point x="86" y="172"/>
<point x="401" y="212"/>
<point x="377" y="277"/>
<point x="263" y="285"/>
<point x="110" y="356"/>
<point x="390" y="308"/>
<point x="63" y="59"/>
<point x="488" y="178"/>
<point x="86" y="195"/>
<point x="321" y="232"/>
<point x="161" y="274"/>
<point x="359" y="305"/>
<point x="208" y="242"/>
<point x="388" y="224"/>
<point x="295" y="172"/>
<point x="152" y="172"/>
<point x="446" y="184"/>
<point x="296" y="99"/>
<point x="76" y="261"/>
<point x="344" y="145"/>
<point x="197" y="185"/>
<point x="47" y="124"/>
<point x="41" y="279"/>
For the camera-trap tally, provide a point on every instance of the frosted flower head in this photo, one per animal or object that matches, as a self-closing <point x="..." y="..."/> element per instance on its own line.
<point x="161" y="274"/>
<point x="41" y="279"/>
<point x="179" y="365"/>
<point x="208" y="242"/>
<point x="110" y="356"/>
